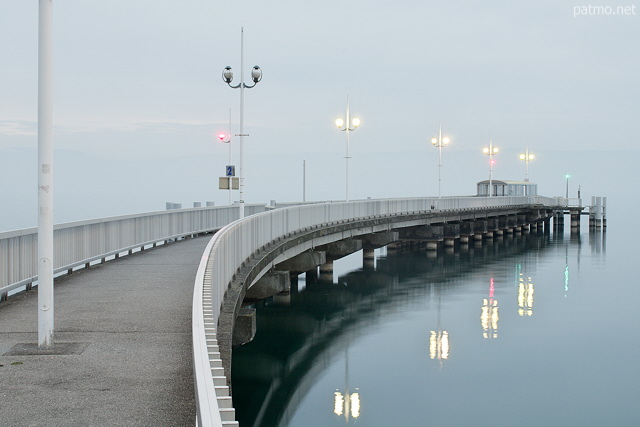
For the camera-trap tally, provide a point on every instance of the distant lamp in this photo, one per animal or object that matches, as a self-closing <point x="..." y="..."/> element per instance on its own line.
<point x="347" y="125"/>
<point x="526" y="157"/>
<point x="490" y="151"/>
<point x="439" y="142"/>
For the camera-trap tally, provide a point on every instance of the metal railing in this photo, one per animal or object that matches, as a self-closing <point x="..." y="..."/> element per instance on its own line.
<point x="80" y="243"/>
<point x="234" y="244"/>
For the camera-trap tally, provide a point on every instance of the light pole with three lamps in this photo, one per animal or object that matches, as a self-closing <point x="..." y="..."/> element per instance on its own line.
<point x="490" y="151"/>
<point x="439" y="142"/>
<point x="256" y="76"/>
<point x="346" y="126"/>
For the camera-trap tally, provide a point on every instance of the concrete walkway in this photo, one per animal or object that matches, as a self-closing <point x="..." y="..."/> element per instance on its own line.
<point x="123" y="331"/>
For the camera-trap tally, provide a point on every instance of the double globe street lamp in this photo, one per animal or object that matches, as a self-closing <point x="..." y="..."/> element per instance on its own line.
<point x="490" y="151"/>
<point x="439" y="142"/>
<point x="347" y="125"/>
<point x="526" y="157"/>
<point x="227" y="77"/>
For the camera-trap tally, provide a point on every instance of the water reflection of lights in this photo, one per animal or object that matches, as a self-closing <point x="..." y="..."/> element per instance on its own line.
<point x="439" y="345"/>
<point x="525" y="296"/>
<point x="347" y="404"/>
<point x="489" y="315"/>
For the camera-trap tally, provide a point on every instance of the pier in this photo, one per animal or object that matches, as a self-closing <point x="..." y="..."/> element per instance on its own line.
<point x="107" y="326"/>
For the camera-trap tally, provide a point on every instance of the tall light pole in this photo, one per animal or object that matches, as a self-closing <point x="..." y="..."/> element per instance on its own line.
<point x="490" y="151"/>
<point x="45" y="175"/>
<point x="348" y="125"/>
<point x="256" y="76"/>
<point x="567" y="176"/>
<point x="526" y="157"/>
<point x="439" y="142"/>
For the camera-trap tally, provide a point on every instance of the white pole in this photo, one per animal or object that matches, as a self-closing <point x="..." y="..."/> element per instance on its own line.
<point x="490" y="165"/>
<point x="347" y="156"/>
<point x="242" y="122"/>
<point x="45" y="175"/>
<point x="229" y="134"/>
<point x="304" y="180"/>
<point x="439" y="161"/>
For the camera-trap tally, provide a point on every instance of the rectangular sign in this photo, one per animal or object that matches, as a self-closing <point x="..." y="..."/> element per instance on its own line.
<point x="223" y="183"/>
<point x="230" y="170"/>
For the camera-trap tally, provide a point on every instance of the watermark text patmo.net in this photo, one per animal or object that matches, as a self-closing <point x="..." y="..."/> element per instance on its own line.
<point x="600" y="10"/>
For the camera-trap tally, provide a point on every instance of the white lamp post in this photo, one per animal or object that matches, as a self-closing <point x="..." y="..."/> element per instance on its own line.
<point x="45" y="175"/>
<point x="256" y="76"/>
<point x="526" y="157"/>
<point x="348" y="125"/>
<point x="490" y="151"/>
<point x="439" y="142"/>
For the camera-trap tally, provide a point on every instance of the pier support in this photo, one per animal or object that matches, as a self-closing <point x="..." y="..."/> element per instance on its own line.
<point x="303" y="262"/>
<point x="270" y="284"/>
<point x="326" y="272"/>
<point x="245" y="327"/>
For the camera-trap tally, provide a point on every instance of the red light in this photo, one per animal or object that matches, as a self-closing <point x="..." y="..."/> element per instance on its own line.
<point x="493" y="162"/>
<point x="222" y="136"/>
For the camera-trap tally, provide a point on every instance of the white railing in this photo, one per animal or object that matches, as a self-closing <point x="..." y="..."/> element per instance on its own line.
<point x="235" y="243"/>
<point x="80" y="243"/>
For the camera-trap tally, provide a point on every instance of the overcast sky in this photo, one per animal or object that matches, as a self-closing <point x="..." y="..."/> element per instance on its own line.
<point x="139" y="99"/>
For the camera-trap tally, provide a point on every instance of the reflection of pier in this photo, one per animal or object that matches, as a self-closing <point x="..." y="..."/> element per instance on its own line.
<point x="489" y="316"/>
<point x="298" y="341"/>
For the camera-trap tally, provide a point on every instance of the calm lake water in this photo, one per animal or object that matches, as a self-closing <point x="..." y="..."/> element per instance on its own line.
<point x="530" y="330"/>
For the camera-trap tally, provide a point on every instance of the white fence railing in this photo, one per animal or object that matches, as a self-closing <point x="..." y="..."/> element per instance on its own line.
<point x="79" y="243"/>
<point x="235" y="243"/>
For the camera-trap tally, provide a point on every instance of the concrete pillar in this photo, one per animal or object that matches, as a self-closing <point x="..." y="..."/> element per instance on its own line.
<point x="311" y="275"/>
<point x="575" y="221"/>
<point x="282" y="299"/>
<point x="432" y="245"/>
<point x="368" y="254"/>
<point x="394" y="246"/>
<point x="326" y="272"/>
<point x="270" y="284"/>
<point x="245" y="327"/>
<point x="303" y="262"/>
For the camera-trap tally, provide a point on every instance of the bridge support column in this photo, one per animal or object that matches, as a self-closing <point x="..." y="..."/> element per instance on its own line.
<point x="326" y="272"/>
<point x="368" y="258"/>
<point x="270" y="284"/>
<point x="303" y="262"/>
<point x="575" y="221"/>
<point x="245" y="327"/>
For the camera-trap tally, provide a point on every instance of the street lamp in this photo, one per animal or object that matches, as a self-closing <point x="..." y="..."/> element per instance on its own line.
<point x="227" y="77"/>
<point x="490" y="151"/>
<point x="526" y="156"/>
<point x="348" y="125"/>
<point x="439" y="142"/>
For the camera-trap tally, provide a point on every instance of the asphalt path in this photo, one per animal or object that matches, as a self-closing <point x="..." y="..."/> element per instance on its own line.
<point x="122" y="353"/>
